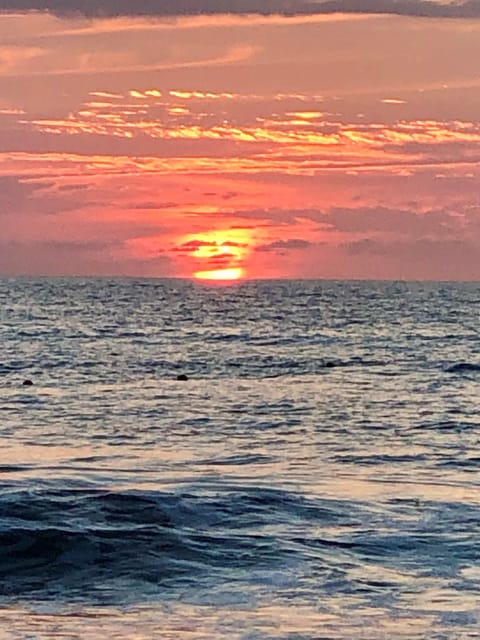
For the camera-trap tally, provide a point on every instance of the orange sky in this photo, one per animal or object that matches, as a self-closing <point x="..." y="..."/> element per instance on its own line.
<point x="226" y="146"/>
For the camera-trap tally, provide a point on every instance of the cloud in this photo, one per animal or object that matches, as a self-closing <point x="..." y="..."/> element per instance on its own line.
<point x="193" y="245"/>
<point x="219" y="261"/>
<point x="77" y="257"/>
<point x="15" y="192"/>
<point x="12" y="56"/>
<point x="391" y="221"/>
<point x="73" y="187"/>
<point x="363" y="227"/>
<point x="231" y="243"/>
<point x="79" y="245"/>
<point x="367" y="245"/>
<point x="420" y="8"/>
<point x="293" y="244"/>
<point x="277" y="216"/>
<point x="423" y="258"/>
<point x="174" y="8"/>
<point x="150" y="205"/>
<point x="270" y="143"/>
<point x="393" y="101"/>
<point x="23" y="196"/>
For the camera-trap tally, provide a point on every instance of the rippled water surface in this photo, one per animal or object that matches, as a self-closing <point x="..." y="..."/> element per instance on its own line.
<point x="317" y="476"/>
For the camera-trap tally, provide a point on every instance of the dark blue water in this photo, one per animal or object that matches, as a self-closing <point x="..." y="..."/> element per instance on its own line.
<point x="317" y="475"/>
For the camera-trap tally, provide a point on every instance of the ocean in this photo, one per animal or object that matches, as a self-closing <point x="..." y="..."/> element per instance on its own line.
<point x="316" y="476"/>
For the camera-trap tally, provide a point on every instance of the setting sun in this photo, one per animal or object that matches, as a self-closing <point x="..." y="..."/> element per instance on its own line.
<point x="220" y="274"/>
<point x="218" y="254"/>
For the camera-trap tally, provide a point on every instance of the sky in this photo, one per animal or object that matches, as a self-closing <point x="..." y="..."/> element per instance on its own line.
<point x="212" y="139"/>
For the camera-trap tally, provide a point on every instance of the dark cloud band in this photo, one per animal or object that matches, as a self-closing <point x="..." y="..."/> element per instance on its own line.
<point x="172" y="8"/>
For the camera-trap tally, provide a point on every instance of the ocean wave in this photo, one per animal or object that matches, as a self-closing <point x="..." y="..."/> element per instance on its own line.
<point x="74" y="541"/>
<point x="269" y="366"/>
<point x="464" y="367"/>
<point x="448" y="425"/>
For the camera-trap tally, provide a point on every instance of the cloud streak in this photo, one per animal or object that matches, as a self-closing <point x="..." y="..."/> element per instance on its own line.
<point x="175" y="8"/>
<point x="310" y="145"/>
<point x="280" y="246"/>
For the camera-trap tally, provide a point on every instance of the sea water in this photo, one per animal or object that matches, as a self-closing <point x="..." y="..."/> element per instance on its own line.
<point x="316" y="477"/>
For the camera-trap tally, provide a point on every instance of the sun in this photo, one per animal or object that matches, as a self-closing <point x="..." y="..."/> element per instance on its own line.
<point x="234" y="273"/>
<point x="219" y="254"/>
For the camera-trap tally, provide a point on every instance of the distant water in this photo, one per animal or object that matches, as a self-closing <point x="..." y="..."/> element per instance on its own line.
<point x="317" y="477"/>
